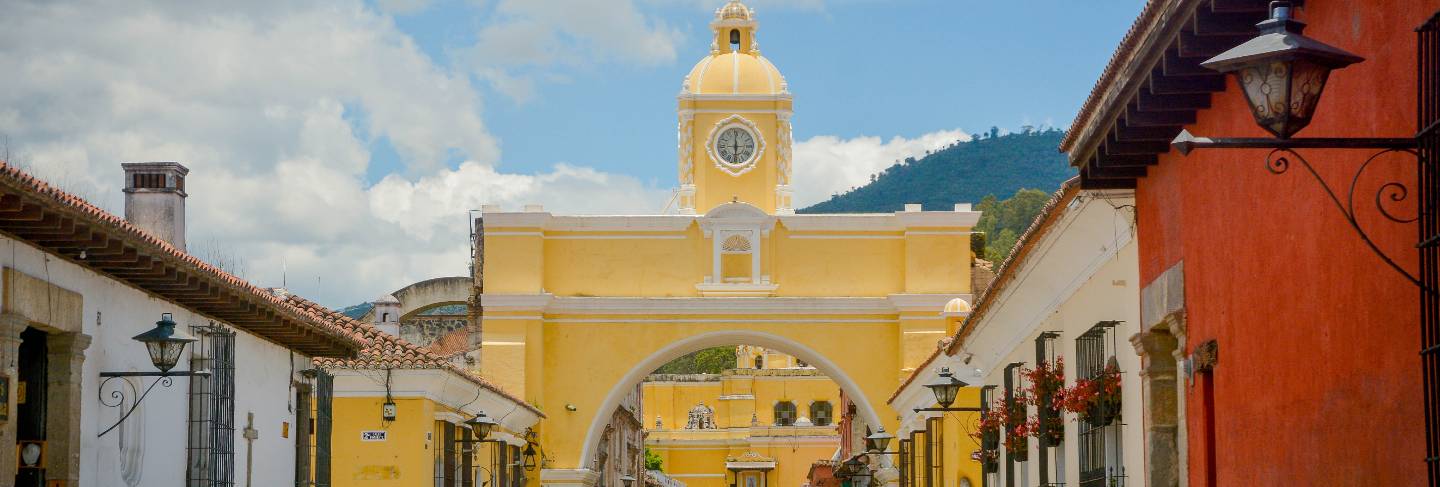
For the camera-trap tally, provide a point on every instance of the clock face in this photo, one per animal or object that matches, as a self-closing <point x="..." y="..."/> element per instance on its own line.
<point x="735" y="146"/>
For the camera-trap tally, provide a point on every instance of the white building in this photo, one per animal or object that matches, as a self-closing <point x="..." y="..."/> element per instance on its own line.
<point x="78" y="283"/>
<point x="1068" y="292"/>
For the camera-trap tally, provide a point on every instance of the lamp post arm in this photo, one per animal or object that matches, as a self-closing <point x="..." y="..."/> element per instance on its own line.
<point x="1186" y="142"/>
<point x="118" y="395"/>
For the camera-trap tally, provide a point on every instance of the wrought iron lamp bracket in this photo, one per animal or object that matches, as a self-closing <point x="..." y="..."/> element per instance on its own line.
<point x="1278" y="161"/>
<point x="118" y="395"/>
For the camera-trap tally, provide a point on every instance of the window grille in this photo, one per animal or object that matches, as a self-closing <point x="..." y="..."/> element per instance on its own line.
<point x="785" y="413"/>
<point x="935" y="451"/>
<point x="1429" y="193"/>
<point x="1101" y="461"/>
<point x="446" y="454"/>
<point x="919" y="471"/>
<point x="989" y="443"/>
<point x="210" y="442"/>
<point x="907" y="463"/>
<point x="304" y="432"/>
<point x="1012" y="386"/>
<point x="821" y="413"/>
<point x="324" y="425"/>
<point x="1051" y="431"/>
<point x="517" y="469"/>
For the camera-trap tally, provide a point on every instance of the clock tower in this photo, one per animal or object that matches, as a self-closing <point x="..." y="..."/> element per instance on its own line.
<point x="734" y="123"/>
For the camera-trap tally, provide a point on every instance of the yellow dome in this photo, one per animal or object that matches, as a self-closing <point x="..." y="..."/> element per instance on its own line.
<point x="735" y="73"/>
<point x="957" y="307"/>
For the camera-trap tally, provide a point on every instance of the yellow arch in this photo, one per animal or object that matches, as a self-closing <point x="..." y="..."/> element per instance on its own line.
<point x="688" y="344"/>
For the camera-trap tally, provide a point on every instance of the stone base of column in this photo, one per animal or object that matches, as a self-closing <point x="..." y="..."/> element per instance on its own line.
<point x="568" y="477"/>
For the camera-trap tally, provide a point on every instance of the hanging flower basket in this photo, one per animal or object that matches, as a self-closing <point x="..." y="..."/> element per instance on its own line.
<point x="1097" y="399"/>
<point x="1045" y="383"/>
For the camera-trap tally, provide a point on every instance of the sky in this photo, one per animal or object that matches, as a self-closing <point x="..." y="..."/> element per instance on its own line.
<point x="336" y="146"/>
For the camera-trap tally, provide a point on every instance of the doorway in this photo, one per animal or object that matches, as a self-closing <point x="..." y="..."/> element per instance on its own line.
<point x="30" y="409"/>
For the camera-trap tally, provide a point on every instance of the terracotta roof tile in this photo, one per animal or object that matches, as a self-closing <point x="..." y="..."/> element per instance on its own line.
<point x="1142" y="26"/>
<point x="17" y="179"/>
<point x="389" y="351"/>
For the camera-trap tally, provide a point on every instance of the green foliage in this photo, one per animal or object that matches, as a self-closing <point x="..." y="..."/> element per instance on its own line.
<point x="653" y="461"/>
<point x="705" y="361"/>
<point x="1002" y="221"/>
<point x="961" y="173"/>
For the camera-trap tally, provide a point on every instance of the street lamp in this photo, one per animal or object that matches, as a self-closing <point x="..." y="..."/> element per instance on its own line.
<point x="529" y="457"/>
<point x="481" y="425"/>
<point x="945" y="387"/>
<point x="627" y="480"/>
<point x="879" y="441"/>
<point x="1282" y="72"/>
<point x="857" y="472"/>
<point x="165" y="345"/>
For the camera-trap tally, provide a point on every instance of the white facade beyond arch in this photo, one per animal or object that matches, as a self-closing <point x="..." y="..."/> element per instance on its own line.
<point x="717" y="339"/>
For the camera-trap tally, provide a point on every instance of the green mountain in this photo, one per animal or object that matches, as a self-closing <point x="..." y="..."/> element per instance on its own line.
<point x="966" y="172"/>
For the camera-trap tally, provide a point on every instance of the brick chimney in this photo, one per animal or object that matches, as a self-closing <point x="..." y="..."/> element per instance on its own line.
<point x="155" y="199"/>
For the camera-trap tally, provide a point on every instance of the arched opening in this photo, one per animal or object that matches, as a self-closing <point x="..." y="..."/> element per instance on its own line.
<point x="627" y="385"/>
<point x="734" y="39"/>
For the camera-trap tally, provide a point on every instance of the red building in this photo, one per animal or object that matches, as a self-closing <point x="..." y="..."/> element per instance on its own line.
<point x="1302" y="341"/>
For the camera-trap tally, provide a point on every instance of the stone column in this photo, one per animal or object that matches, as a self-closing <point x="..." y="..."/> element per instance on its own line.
<point x="1157" y="375"/>
<point x="10" y="327"/>
<point x="66" y="357"/>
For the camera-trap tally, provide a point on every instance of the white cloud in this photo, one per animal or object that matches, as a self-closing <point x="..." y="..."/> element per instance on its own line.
<point x="272" y="105"/>
<point x="525" y="39"/>
<point x="825" y="164"/>
<point x="403" y="7"/>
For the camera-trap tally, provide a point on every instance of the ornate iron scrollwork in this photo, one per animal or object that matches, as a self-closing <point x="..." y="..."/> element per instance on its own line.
<point x="116" y="397"/>
<point x="1278" y="162"/>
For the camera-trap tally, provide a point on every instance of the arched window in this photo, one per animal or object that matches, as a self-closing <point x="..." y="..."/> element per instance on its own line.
<point x="760" y="361"/>
<point x="821" y="413"/>
<point x="784" y="413"/>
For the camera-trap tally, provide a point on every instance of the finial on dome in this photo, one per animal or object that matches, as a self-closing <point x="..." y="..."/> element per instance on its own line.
<point x="734" y="10"/>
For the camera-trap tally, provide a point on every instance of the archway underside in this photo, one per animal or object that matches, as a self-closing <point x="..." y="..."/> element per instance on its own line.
<point x="593" y="366"/>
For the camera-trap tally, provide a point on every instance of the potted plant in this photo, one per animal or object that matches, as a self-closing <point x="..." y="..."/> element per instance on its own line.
<point x="1096" y="399"/>
<point x="1046" y="381"/>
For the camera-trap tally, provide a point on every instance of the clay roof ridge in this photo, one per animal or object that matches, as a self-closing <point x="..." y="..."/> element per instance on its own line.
<point x="13" y="176"/>
<point x="1122" y="53"/>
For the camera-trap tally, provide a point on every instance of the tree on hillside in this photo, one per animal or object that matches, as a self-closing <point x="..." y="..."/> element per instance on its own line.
<point x="1003" y="221"/>
<point x="705" y="361"/>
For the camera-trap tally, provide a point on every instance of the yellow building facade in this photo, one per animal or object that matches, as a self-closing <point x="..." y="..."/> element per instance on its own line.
<point x="764" y="421"/>
<point x="576" y="311"/>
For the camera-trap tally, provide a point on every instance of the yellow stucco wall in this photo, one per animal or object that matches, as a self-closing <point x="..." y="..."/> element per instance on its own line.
<point x="405" y="458"/>
<point x="851" y="263"/>
<point x="697" y="457"/>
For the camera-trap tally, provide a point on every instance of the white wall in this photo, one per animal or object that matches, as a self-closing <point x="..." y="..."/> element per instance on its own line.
<point x="1084" y="271"/>
<point x="150" y="447"/>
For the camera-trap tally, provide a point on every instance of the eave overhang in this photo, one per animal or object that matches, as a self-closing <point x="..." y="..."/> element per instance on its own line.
<point x="64" y="225"/>
<point x="1154" y="86"/>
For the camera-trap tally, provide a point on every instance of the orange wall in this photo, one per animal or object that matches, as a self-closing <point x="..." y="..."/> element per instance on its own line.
<point x="1318" y="381"/>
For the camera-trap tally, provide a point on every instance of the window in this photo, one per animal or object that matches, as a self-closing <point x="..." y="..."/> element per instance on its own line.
<point x="784" y="413"/>
<point x="1100" y="448"/>
<point x="821" y="413"/>
<point x="453" y="464"/>
<point x="210" y="447"/>
<point x="1051" y="433"/>
<point x="919" y="470"/>
<point x="935" y="451"/>
<point x="1019" y="444"/>
<point x="907" y="463"/>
